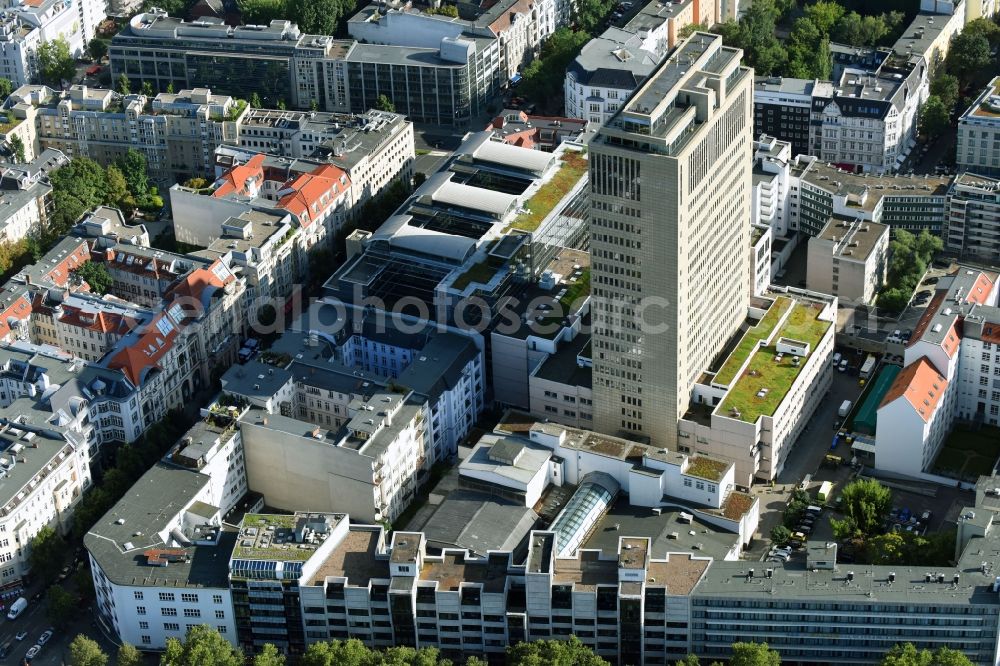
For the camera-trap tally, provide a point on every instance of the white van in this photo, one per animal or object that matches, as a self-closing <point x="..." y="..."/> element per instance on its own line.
<point x="17" y="608"/>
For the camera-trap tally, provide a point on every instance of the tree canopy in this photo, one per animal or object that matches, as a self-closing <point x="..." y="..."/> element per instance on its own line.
<point x="203" y="646"/>
<point x="129" y="655"/>
<point x="60" y="606"/>
<point x="553" y="653"/>
<point x="85" y="651"/>
<point x="55" y="64"/>
<point x="866" y="504"/>
<point x="935" y="117"/>
<point x="754" y="654"/>
<point x="96" y="275"/>
<point x="547" y="72"/>
<point x="907" y="655"/>
<point x="48" y="554"/>
<point x="968" y="53"/>
<point x="6" y="88"/>
<point x="383" y="103"/>
<point x="590" y="14"/>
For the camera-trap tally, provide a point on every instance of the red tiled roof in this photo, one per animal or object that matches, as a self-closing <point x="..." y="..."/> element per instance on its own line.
<point x="59" y="274"/>
<point x="19" y="309"/>
<point x="922" y="386"/>
<point x="980" y="290"/>
<point x="100" y="321"/>
<point x="235" y="180"/>
<point x="146" y="352"/>
<point x="308" y="190"/>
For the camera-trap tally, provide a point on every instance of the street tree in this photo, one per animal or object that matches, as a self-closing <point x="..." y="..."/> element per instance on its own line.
<point x="6" y="88"/>
<point x="129" y="655"/>
<point x="967" y="55"/>
<point x="60" y="607"/>
<point x="48" y="553"/>
<point x="96" y="275"/>
<point x="97" y="48"/>
<point x="907" y="655"/>
<point x="754" y="654"/>
<point x="203" y="646"/>
<point x="866" y="503"/>
<point x="124" y="85"/>
<point x="935" y="117"/>
<point x="269" y="656"/>
<point x="945" y="88"/>
<point x="84" y="651"/>
<point x="553" y="653"/>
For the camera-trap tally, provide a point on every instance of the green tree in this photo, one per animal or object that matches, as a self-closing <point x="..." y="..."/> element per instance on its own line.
<point x="48" y="553"/>
<point x="945" y="88"/>
<point x="473" y="660"/>
<point x="780" y="535"/>
<point x="383" y="103"/>
<point x="133" y="168"/>
<point x="982" y="27"/>
<point x="967" y="55"/>
<point x="116" y="188"/>
<point x="866" y="503"/>
<point x="337" y="653"/>
<point x="269" y="656"/>
<point x="318" y="17"/>
<point x="97" y="48"/>
<point x="255" y="102"/>
<point x="170" y="88"/>
<point x="203" y="646"/>
<point x="907" y="655"/>
<point x="808" y="51"/>
<point x="858" y="30"/>
<point x="824" y="15"/>
<point x="96" y="275"/>
<point x="60" y="606"/>
<point x="128" y="655"/>
<point x="147" y="89"/>
<point x="85" y="651"/>
<point x="262" y="12"/>
<point x="935" y="117"/>
<point x="690" y="660"/>
<point x="124" y="85"/>
<point x="754" y="654"/>
<point x="55" y="64"/>
<point x="591" y="13"/>
<point x="6" y="88"/>
<point x="889" y="548"/>
<point x="553" y="653"/>
<point x="546" y="72"/>
<point x="17" y="149"/>
<point x="755" y="34"/>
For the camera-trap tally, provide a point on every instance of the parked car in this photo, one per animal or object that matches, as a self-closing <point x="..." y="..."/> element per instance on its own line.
<point x="781" y="549"/>
<point x="21" y="635"/>
<point x="32" y="652"/>
<point x="925" y="517"/>
<point x="5" y="649"/>
<point x="44" y="638"/>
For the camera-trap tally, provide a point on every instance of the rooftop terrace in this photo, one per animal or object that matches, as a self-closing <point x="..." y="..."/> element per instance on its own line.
<point x="271" y="537"/>
<point x="573" y="167"/>
<point x="764" y="384"/>
<point x="748" y="343"/>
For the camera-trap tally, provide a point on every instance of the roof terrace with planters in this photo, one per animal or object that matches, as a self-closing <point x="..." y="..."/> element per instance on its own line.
<point x="760" y="375"/>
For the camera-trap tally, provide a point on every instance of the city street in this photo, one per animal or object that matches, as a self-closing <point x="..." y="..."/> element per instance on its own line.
<point x="805" y="457"/>
<point x="34" y="621"/>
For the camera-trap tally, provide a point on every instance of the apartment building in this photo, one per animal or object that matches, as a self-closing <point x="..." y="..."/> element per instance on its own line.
<point x="771" y="216"/>
<point x="751" y="405"/>
<point x="175" y="132"/>
<point x="671" y="235"/>
<point x="370" y="464"/>
<point x="611" y="66"/>
<point x="318" y="195"/>
<point x="315" y="400"/>
<point x="26" y="196"/>
<point x="372" y="148"/>
<point x="274" y="553"/>
<point x="197" y="330"/>
<point x="24" y="27"/>
<point x="849" y="259"/>
<point x="948" y="375"/>
<point x="84" y="325"/>
<point x="160" y="557"/>
<point x="978" y="142"/>
<point x="972" y="225"/>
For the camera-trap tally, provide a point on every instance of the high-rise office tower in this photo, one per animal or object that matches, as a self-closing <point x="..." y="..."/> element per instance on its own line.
<point x="670" y="236"/>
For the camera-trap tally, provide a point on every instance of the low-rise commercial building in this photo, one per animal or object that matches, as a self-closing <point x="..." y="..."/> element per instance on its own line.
<point x="753" y="404"/>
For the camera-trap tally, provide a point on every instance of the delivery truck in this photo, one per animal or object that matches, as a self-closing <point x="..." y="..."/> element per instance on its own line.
<point x="845" y="408"/>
